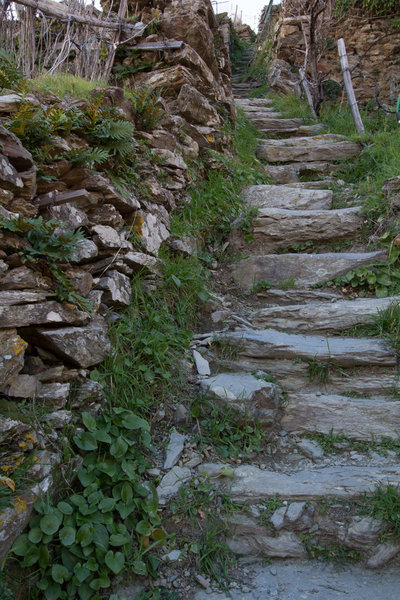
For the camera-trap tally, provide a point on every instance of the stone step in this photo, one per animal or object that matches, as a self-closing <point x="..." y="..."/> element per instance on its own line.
<point x="357" y="418"/>
<point x="250" y="484"/>
<point x="303" y="269"/>
<point x="280" y="196"/>
<point x="254" y="102"/>
<point x="272" y="345"/>
<point x="322" y="316"/>
<point x="291" y="173"/>
<point x="278" y="125"/>
<point x="295" y="375"/>
<point x="256" y="109"/>
<point x="274" y="297"/>
<point x="254" y="117"/>
<point x="276" y="227"/>
<point x="315" y="185"/>
<point x="302" y="130"/>
<point x="326" y="147"/>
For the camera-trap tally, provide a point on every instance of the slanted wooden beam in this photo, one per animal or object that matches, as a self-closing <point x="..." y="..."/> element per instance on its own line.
<point x="348" y="84"/>
<point x="158" y="46"/>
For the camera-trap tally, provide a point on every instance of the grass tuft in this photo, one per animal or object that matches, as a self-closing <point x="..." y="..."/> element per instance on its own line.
<point x="64" y="84"/>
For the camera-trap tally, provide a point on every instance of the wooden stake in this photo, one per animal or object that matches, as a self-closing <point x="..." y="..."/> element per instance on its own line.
<point x="123" y="7"/>
<point x="307" y="92"/>
<point x="344" y="63"/>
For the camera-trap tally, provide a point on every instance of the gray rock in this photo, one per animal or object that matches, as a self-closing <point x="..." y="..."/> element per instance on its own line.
<point x="274" y="297"/>
<point x="71" y="216"/>
<point x="328" y="147"/>
<point x="363" y="533"/>
<point x="284" y="545"/>
<point x="310" y="448"/>
<point x="273" y="227"/>
<point x="12" y="297"/>
<point x="382" y="554"/>
<point x="41" y="313"/>
<point x="90" y="392"/>
<point x="9" y="103"/>
<point x="106" y="237"/>
<point x="252" y="484"/>
<point x="271" y="344"/>
<point x="357" y="418"/>
<point x="318" y="316"/>
<point x="278" y="518"/>
<point x="154" y="228"/>
<point x="139" y="261"/>
<point x="174" y="449"/>
<point x="202" y="365"/>
<point x="11" y="355"/>
<point x="283" y="197"/>
<point x="11" y="429"/>
<point x="259" y="400"/>
<point x="295" y="511"/>
<point x="54" y="395"/>
<point x="172" y="556"/>
<point x="117" y="289"/>
<point x="85" y="251"/>
<point x="292" y="172"/>
<point x="83" y="346"/>
<point x="171" y="482"/>
<point x="59" y="418"/>
<point x="23" y="278"/>
<point x="304" y="269"/>
<point x="23" y="386"/>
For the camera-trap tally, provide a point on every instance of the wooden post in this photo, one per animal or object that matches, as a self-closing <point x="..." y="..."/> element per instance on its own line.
<point x="344" y="63"/>
<point x="123" y="7"/>
<point x="307" y="92"/>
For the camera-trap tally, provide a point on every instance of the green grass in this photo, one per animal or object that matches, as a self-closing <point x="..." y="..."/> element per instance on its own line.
<point x="221" y="427"/>
<point x="330" y="443"/>
<point x="63" y="84"/>
<point x="216" y="201"/>
<point x="384" y="504"/>
<point x="386" y="324"/>
<point x="292" y="107"/>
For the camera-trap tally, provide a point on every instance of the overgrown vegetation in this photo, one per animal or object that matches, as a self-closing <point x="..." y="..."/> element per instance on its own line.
<point x="44" y="247"/>
<point x="216" y="201"/>
<point x="384" y="504"/>
<point x="63" y="84"/>
<point x="374" y="7"/>
<point x="10" y="75"/>
<point x="334" y="443"/>
<point x="386" y="324"/>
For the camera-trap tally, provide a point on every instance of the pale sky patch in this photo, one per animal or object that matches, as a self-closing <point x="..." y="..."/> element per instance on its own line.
<point x="249" y="9"/>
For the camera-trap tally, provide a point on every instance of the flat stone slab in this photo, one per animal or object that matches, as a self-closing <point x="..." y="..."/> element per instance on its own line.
<point x="304" y="269"/>
<point x="246" y="394"/>
<point x="277" y="124"/>
<point x="274" y="297"/>
<point x="301" y="130"/>
<point x="292" y="172"/>
<point x="253" y="101"/>
<point x="357" y="418"/>
<point x="273" y="227"/>
<point x="248" y="483"/>
<point x="328" y="147"/>
<point x="256" y="115"/>
<point x="312" y="580"/>
<point x="346" y="352"/>
<point x="322" y="316"/>
<point x="280" y="196"/>
<point x="41" y="313"/>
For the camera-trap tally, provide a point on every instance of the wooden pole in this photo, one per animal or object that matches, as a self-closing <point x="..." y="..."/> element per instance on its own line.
<point x="123" y="7"/>
<point x="307" y="92"/>
<point x="344" y="63"/>
<point x="60" y="11"/>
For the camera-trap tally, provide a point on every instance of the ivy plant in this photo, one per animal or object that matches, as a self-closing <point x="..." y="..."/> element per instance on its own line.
<point x="109" y="524"/>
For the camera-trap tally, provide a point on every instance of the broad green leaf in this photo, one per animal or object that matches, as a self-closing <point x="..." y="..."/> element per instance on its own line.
<point x="59" y="573"/>
<point x="35" y="535"/>
<point x="65" y="508"/>
<point x="118" y="448"/>
<point x="44" y="557"/>
<point x="67" y="536"/>
<point x="53" y="591"/>
<point x="115" y="561"/>
<point x="81" y="572"/>
<point x="100" y="582"/>
<point x="84" y="535"/>
<point x="107" y="504"/>
<point x="31" y="557"/>
<point x="86" y="478"/>
<point x="49" y="524"/>
<point x="85" y="440"/>
<point x="139" y="567"/>
<point x="89" y="421"/>
<point x="132" y="421"/>
<point x="100" y="537"/>
<point x="126" y="492"/>
<point x="144" y="527"/>
<point x="119" y="539"/>
<point x="103" y="436"/>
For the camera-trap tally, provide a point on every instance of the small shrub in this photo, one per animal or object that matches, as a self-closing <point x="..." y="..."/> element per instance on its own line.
<point x="147" y="110"/>
<point x="10" y="74"/>
<point x="384" y="504"/>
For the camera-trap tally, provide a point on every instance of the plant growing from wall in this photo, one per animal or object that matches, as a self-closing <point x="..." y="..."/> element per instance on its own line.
<point x="45" y="247"/>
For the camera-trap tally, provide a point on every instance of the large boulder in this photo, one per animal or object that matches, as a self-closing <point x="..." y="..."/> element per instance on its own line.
<point x="195" y="108"/>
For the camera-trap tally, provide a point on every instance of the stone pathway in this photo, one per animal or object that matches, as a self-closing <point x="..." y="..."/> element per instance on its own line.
<point x="293" y="370"/>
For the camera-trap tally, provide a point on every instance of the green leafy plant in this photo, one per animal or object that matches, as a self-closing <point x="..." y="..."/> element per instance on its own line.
<point x="146" y="107"/>
<point x="10" y="74"/>
<point x="384" y="504"/>
<point x="44" y="246"/>
<point x="261" y="285"/>
<point x="221" y="427"/>
<point x="374" y="7"/>
<point x="112" y="523"/>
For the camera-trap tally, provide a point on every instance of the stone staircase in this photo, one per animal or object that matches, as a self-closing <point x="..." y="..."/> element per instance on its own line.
<point x="294" y="369"/>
